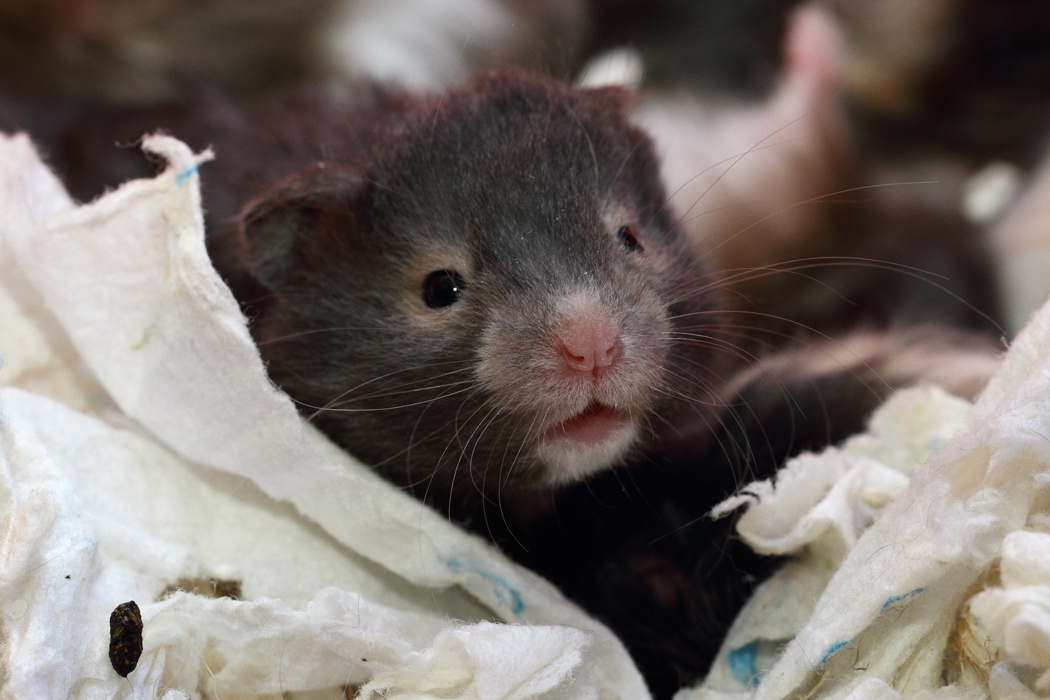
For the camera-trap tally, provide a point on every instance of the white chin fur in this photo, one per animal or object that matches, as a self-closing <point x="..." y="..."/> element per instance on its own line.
<point x="569" y="461"/>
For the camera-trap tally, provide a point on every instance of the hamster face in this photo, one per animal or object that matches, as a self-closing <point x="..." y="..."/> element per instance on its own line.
<point x="495" y="297"/>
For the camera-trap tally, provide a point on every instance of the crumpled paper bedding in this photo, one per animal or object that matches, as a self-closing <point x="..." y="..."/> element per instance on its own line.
<point x="141" y="445"/>
<point x="921" y="553"/>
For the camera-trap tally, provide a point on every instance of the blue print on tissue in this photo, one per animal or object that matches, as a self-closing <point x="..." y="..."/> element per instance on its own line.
<point x="504" y="593"/>
<point x="832" y="650"/>
<point x="742" y="665"/>
<point x="186" y="174"/>
<point x="892" y="600"/>
<point x="904" y="596"/>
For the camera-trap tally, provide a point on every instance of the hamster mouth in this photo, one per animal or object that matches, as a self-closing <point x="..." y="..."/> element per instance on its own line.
<point x="591" y="426"/>
<point x="593" y="439"/>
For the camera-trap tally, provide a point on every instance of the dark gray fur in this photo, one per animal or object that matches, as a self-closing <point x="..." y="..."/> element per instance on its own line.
<point x="510" y="182"/>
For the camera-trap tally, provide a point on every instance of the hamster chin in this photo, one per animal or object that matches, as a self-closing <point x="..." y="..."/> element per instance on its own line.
<point x="586" y="443"/>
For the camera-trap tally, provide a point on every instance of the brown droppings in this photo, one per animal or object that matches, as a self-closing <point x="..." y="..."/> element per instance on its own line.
<point x="125" y="638"/>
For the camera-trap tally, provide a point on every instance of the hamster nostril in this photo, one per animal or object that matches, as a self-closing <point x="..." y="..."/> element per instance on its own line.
<point x="589" y="344"/>
<point x="607" y="356"/>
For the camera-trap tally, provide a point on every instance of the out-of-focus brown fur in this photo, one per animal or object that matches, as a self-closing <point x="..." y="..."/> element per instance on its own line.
<point x="128" y="51"/>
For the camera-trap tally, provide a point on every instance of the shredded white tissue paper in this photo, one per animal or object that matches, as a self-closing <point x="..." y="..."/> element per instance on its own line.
<point x="141" y="445"/>
<point x="921" y="553"/>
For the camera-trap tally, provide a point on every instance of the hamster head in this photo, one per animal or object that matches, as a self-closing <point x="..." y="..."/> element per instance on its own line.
<point x="495" y="295"/>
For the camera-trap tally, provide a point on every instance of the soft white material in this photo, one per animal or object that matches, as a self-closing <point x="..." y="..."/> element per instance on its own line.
<point x="1017" y="616"/>
<point x="141" y="443"/>
<point x="922" y="552"/>
<point x="816" y="511"/>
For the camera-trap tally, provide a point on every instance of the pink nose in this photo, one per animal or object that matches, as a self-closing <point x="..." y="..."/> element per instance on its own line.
<point x="589" y="340"/>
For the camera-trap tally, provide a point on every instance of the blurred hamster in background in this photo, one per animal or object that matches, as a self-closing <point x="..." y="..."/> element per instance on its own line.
<point x="126" y="51"/>
<point x="959" y="92"/>
<point x="773" y="174"/>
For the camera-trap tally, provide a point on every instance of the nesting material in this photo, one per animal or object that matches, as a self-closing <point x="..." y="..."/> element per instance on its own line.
<point x="922" y="552"/>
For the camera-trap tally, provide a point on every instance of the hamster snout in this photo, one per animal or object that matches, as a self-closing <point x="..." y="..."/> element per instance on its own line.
<point x="585" y="374"/>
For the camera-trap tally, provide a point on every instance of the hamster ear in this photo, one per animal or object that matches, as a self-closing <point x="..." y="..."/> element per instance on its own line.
<point x="303" y="225"/>
<point x="608" y="100"/>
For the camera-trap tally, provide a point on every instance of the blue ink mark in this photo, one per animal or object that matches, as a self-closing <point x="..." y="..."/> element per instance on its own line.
<point x="181" y="178"/>
<point x="904" y="596"/>
<point x="505" y="595"/>
<point x="892" y="600"/>
<point x="451" y="564"/>
<point x="1" y="363"/>
<point x="832" y="650"/>
<point x="742" y="665"/>
<point x="516" y="604"/>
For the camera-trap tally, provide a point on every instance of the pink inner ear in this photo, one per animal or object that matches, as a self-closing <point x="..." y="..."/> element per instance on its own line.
<point x="813" y="48"/>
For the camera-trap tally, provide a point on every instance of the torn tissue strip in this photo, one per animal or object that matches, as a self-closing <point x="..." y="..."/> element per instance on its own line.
<point x="207" y="587"/>
<point x="125" y="638"/>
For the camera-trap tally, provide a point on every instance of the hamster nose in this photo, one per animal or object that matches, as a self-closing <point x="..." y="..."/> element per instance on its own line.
<point x="589" y="341"/>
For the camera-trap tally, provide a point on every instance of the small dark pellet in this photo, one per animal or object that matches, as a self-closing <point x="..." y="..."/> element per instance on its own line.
<point x="125" y="638"/>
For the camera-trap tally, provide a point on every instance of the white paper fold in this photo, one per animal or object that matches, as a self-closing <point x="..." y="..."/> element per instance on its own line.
<point x="921" y="552"/>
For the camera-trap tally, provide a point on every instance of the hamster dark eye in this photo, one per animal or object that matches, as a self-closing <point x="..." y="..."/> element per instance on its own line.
<point x="442" y="288"/>
<point x="625" y="237"/>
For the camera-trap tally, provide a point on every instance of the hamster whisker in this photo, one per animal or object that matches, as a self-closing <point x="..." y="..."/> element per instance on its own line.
<point x="339" y="405"/>
<point x="415" y="428"/>
<point x="821" y="263"/>
<point x="483" y="425"/>
<point x="460" y="425"/>
<point x="590" y="145"/>
<point x="414" y="368"/>
<point x="404" y="370"/>
<point x="692" y="381"/>
<point x="818" y="199"/>
<point x="712" y="342"/>
<point x="757" y="314"/>
<point x="441" y="429"/>
<point x="723" y="277"/>
<point x="502" y="481"/>
<point x="733" y="161"/>
<point x="625" y="161"/>
<point x="750" y="333"/>
<point x="423" y="402"/>
<point x="438" y="430"/>
<point x="315" y="331"/>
